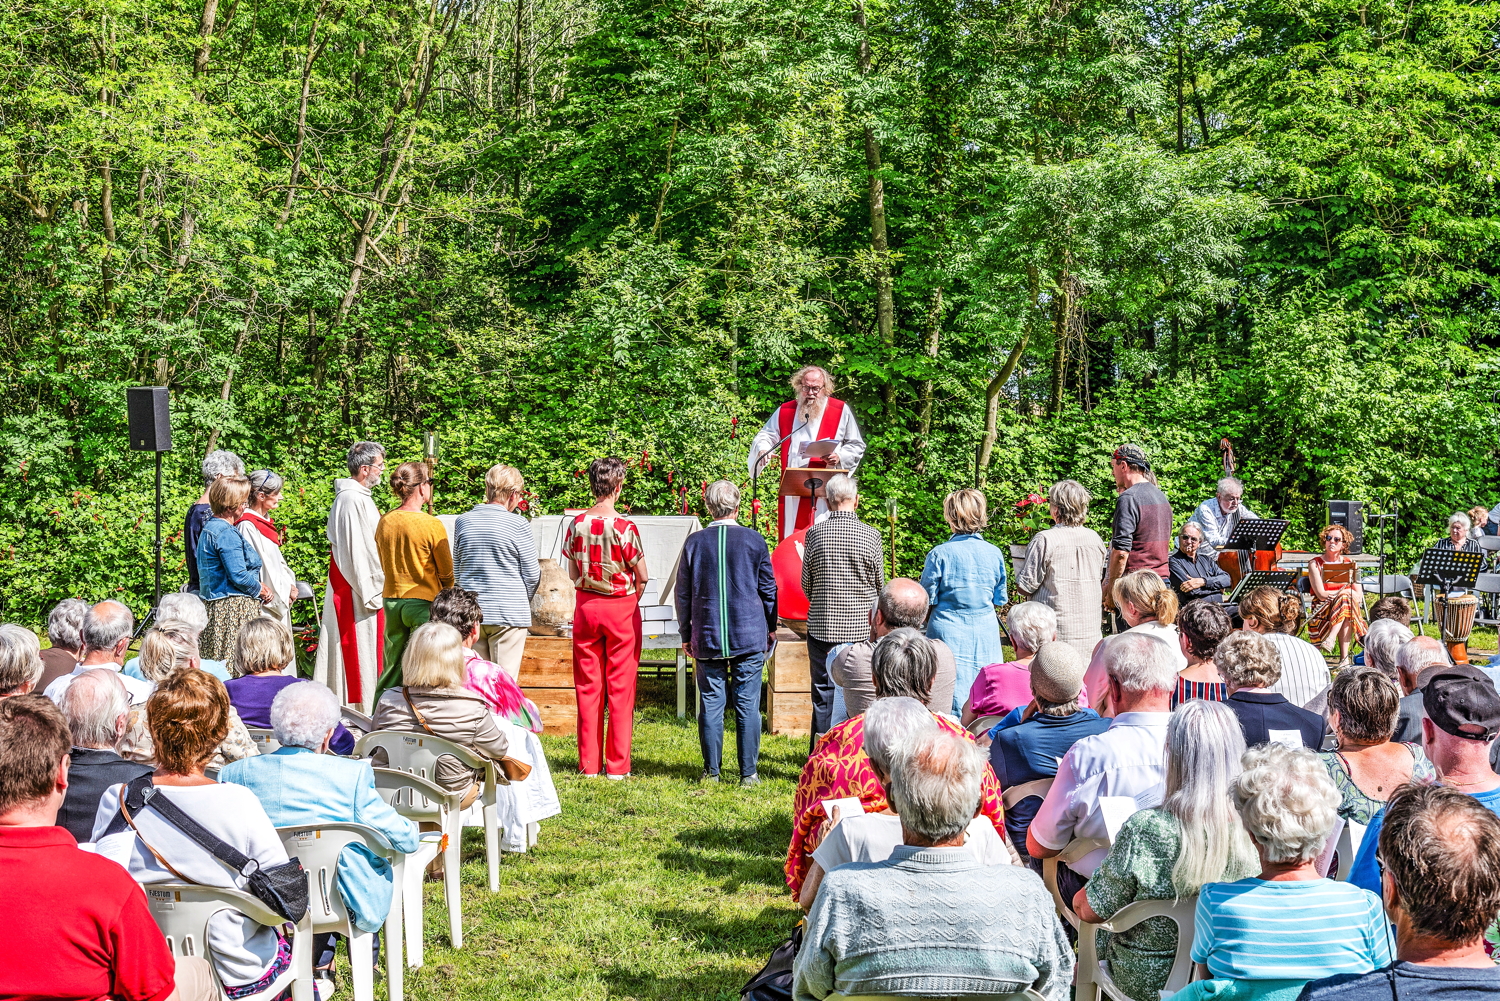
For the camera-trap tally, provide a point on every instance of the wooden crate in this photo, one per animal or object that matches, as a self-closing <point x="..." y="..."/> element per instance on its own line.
<point x="547" y="679"/>
<point x="789" y="693"/>
<point x="559" y="708"/>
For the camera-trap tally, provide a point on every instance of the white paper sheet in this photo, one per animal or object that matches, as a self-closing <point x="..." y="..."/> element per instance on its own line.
<point x="1115" y="810"/>
<point x="1291" y="738"/>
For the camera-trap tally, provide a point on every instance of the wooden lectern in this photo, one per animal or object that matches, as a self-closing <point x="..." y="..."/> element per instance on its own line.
<point x="806" y="483"/>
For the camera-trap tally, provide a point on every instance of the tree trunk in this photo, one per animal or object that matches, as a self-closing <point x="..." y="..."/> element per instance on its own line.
<point x="1059" y="348"/>
<point x="1179" y="98"/>
<point x="1198" y="106"/>
<point x="885" y="308"/>
<point x="239" y="346"/>
<point x="992" y="407"/>
<point x="205" y="37"/>
<point x="313" y="51"/>
<point x="933" y="336"/>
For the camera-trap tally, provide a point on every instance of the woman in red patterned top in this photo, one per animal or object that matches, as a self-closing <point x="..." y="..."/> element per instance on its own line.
<point x="608" y="567"/>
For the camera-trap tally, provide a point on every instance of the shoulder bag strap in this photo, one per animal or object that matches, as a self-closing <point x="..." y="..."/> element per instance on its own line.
<point x="405" y="694"/>
<point x="199" y="835"/>
<point x="125" y="812"/>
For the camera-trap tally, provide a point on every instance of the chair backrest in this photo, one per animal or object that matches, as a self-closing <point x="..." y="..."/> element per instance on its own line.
<point x="318" y="848"/>
<point x="265" y="740"/>
<point x="415" y="752"/>
<point x="1179" y="912"/>
<point x="1392" y="584"/>
<point x="1489" y="543"/>
<point x="353" y="719"/>
<point x="414" y="797"/>
<point x="1036" y="787"/>
<point x="983" y="723"/>
<point x="182" y="912"/>
<point x="1488" y="583"/>
<point x="1026" y="994"/>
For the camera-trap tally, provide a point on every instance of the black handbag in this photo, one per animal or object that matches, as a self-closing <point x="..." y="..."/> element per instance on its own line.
<point x="282" y="888"/>
<point x="774" y="981"/>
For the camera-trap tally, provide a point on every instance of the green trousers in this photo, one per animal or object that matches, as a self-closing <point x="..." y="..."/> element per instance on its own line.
<point x="402" y="615"/>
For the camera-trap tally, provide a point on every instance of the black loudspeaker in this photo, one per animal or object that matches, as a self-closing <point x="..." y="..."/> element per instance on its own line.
<point x="150" y="418"/>
<point x="1350" y="515"/>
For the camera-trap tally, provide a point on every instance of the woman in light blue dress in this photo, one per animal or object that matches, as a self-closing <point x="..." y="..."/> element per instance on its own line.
<point x="965" y="582"/>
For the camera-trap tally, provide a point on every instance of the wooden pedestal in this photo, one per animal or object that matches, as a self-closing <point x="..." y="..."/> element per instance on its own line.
<point x="547" y="679"/>
<point x="789" y="695"/>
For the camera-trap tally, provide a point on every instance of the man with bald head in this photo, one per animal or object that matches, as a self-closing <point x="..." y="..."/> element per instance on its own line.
<point x="902" y="602"/>
<point x="98" y="713"/>
<point x="1414" y="660"/>
<point x="106" y="637"/>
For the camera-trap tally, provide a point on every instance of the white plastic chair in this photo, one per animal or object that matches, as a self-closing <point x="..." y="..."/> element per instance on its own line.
<point x="1093" y="980"/>
<point x="1075" y="850"/>
<point x="418" y="753"/>
<point x="355" y="720"/>
<point x="318" y="849"/>
<point x="1012" y="795"/>
<point x="182" y="912"/>
<point x="1026" y="994"/>
<point x="265" y="740"/>
<point x="983" y="723"/>
<point x="421" y="800"/>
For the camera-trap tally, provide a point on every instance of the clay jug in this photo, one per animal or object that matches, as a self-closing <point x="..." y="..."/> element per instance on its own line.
<point x="552" y="605"/>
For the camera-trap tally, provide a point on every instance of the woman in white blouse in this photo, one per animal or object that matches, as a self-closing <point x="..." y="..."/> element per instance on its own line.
<point x="264" y="537"/>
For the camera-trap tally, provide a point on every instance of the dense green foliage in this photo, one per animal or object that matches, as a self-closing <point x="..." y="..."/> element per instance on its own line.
<point x="551" y="229"/>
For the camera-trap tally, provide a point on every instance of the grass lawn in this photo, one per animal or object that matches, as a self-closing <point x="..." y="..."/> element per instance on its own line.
<point x="656" y="887"/>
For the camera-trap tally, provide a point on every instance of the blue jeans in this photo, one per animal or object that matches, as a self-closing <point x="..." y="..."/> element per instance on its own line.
<point x="716" y="679"/>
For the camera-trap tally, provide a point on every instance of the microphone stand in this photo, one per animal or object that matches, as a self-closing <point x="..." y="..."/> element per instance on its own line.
<point x="755" y="475"/>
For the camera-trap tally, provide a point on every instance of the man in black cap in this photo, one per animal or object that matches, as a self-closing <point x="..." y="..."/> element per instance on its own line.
<point x="1142" y="534"/>
<point x="1463" y="716"/>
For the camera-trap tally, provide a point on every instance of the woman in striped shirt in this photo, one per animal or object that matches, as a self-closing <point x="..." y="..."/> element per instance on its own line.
<point x="1288" y="924"/>
<point x="1200" y="627"/>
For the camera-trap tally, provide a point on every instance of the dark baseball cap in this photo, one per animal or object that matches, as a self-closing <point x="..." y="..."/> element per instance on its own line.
<point x="1133" y="455"/>
<point x="1462" y="700"/>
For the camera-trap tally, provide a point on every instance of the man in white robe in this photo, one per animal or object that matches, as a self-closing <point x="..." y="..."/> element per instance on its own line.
<point x="813" y="416"/>
<point x="349" y="651"/>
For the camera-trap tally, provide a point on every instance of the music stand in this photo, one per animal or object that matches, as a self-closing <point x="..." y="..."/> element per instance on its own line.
<point x="1256" y="534"/>
<point x="1449" y="568"/>
<point x="1282" y="580"/>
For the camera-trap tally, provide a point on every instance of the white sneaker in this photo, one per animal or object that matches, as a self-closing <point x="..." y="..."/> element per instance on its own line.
<point x="618" y="778"/>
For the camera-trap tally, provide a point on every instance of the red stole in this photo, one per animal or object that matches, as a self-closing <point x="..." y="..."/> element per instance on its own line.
<point x="833" y="416"/>
<point x="262" y="525"/>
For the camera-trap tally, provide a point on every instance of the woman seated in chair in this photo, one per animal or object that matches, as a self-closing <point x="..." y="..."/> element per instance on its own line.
<point x="1338" y="609"/>
<point x="433" y="700"/>
<point x="999" y="688"/>
<point x="165" y="650"/>
<point x="1168" y="853"/>
<point x="262" y="651"/>
<point x="188" y="716"/>
<point x="1201" y="626"/>
<point x="1369" y="765"/>
<point x="1288" y="924"/>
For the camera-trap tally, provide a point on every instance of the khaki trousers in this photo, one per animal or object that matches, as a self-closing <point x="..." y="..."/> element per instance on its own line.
<point x="195" y="980"/>
<point x="502" y="645"/>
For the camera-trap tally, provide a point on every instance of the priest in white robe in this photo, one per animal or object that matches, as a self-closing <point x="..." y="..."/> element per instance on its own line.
<point x="349" y="651"/>
<point x="814" y="416"/>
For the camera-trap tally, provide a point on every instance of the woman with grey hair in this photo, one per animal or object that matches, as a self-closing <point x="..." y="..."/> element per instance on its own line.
<point x="184" y="613"/>
<point x="1170" y="852"/>
<point x="1288" y="923"/>
<point x="1064" y="567"/>
<point x="65" y="633"/>
<point x="1383" y="643"/>
<point x="264" y="537"/>
<point x="215" y="464"/>
<point x="999" y="688"/>
<point x="20" y="660"/>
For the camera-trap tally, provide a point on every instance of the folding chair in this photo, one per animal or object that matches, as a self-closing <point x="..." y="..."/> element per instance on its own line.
<point x="182" y="912"/>
<point x="421" y="800"/>
<point x="1094" y="981"/>
<point x="318" y="849"/>
<point x="265" y="740"/>
<point x="983" y="723"/>
<point x="1487" y="586"/>
<point x="1075" y="850"/>
<point x="1393" y="584"/>
<point x="418" y="753"/>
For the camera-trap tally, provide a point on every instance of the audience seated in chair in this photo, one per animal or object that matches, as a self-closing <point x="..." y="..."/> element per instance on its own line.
<point x="1028" y="744"/>
<point x="1414" y="663"/>
<point x="20" y="660"/>
<point x="892" y="728"/>
<point x="262" y="651"/>
<point x="77" y="924"/>
<point x="1368" y="765"/>
<point x="434" y="700"/>
<point x="107" y="628"/>
<point x="1442" y="853"/>
<point x="165" y="650"/>
<point x="901" y="604"/>
<point x="65" y="633"/>
<point x="1251" y="666"/>
<point x="999" y="688"/>
<point x="460" y="609"/>
<point x="932" y="920"/>
<point x="183" y="613"/>
<point x="1169" y="853"/>
<point x="97" y="711"/>
<point x="1127" y="760"/>
<point x="302" y="784"/>
<point x="1287" y="924"/>
<point x="188" y="716"/>
<point x="904" y="664"/>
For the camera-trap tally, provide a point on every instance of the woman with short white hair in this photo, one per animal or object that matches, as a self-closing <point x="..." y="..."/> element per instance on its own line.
<point x="1287" y="924"/>
<point x="1170" y="852"/>
<point x="999" y="688"/>
<point x="168" y="649"/>
<point x="1064" y="567"/>
<point x="20" y="660"/>
<point x="65" y="633"/>
<point x="187" y="615"/>
<point x="965" y="582"/>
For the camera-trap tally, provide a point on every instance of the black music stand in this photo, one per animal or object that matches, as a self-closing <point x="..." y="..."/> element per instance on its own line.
<point x="1449" y="569"/>
<point x="1282" y="580"/>
<point x="1256" y="534"/>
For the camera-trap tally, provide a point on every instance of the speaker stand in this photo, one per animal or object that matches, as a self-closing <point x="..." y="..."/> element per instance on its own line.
<point x="156" y="593"/>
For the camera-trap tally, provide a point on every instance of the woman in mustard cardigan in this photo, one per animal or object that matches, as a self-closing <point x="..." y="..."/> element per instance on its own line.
<point x="417" y="561"/>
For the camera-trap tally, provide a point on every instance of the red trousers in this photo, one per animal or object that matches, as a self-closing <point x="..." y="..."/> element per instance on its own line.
<point x="606" y="660"/>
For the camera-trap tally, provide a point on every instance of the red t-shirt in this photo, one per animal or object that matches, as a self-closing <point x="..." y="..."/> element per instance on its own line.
<point x="76" y="925"/>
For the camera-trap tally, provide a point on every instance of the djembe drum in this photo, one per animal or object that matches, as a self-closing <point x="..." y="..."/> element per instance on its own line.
<point x="1455" y="612"/>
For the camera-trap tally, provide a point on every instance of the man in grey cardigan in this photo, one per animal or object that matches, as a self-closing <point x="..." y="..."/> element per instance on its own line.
<point x="494" y="555"/>
<point x="931" y="920"/>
